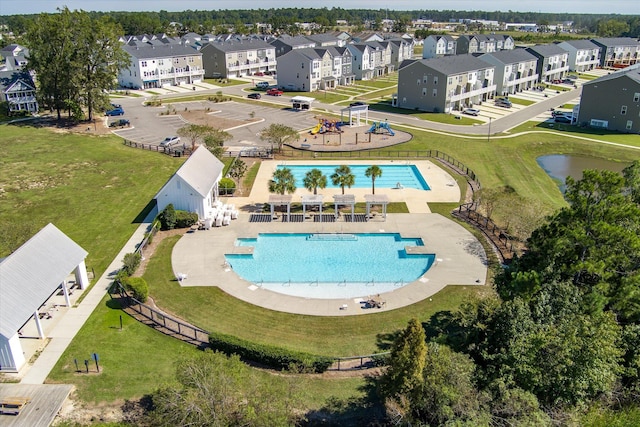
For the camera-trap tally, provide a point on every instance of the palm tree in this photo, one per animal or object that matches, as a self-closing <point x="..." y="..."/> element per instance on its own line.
<point x="315" y="179"/>
<point x="282" y="182"/>
<point x="373" y="172"/>
<point x="343" y="177"/>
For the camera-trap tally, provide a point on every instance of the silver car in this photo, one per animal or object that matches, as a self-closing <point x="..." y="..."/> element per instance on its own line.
<point x="169" y="141"/>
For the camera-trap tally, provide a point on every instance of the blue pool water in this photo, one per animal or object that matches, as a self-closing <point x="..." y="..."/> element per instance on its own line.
<point x="407" y="175"/>
<point x="330" y="265"/>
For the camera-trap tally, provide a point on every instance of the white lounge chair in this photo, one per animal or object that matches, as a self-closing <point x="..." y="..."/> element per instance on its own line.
<point x="226" y="220"/>
<point x="219" y="220"/>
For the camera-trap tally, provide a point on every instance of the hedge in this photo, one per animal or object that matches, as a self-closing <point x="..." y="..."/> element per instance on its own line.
<point x="185" y="219"/>
<point x="275" y="357"/>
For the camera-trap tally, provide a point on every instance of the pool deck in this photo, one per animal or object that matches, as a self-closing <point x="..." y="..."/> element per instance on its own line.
<point x="460" y="258"/>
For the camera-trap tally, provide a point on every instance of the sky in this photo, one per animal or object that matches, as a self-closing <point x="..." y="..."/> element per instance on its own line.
<point x="623" y="7"/>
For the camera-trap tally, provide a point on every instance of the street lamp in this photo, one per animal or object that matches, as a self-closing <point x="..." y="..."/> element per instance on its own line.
<point x="489" y="132"/>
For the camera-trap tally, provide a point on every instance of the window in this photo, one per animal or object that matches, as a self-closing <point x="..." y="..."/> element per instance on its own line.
<point x="418" y="82"/>
<point x="424" y="91"/>
<point x="143" y="63"/>
<point x="425" y="79"/>
<point x="636" y="97"/>
<point x="435" y="81"/>
<point x="435" y="92"/>
<point x="623" y="110"/>
<point x="629" y="124"/>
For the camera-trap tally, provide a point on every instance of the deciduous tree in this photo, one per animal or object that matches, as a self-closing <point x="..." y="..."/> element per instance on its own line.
<point x="278" y="134"/>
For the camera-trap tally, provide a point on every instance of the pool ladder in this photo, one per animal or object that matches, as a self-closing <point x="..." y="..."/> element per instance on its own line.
<point x="314" y="283"/>
<point x="399" y="284"/>
<point x="343" y="283"/>
<point x="287" y="284"/>
<point x="371" y="283"/>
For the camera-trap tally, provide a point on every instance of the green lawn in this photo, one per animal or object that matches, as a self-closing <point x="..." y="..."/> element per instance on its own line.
<point x="520" y="101"/>
<point x="92" y="188"/>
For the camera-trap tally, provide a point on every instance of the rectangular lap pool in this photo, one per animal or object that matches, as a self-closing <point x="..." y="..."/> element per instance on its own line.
<point x="408" y="176"/>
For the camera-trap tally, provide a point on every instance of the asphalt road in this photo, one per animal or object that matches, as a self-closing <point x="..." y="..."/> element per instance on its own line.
<point x="150" y="127"/>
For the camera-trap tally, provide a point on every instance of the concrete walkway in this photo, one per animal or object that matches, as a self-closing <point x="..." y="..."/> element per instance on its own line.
<point x="71" y="322"/>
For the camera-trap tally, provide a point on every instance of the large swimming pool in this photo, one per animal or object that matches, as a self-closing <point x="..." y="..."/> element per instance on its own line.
<point x="407" y="175"/>
<point x="331" y="265"/>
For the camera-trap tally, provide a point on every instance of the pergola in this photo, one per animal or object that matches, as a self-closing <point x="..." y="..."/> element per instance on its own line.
<point x="280" y="200"/>
<point x="313" y="200"/>
<point x="377" y="199"/>
<point x="355" y="114"/>
<point x="345" y="199"/>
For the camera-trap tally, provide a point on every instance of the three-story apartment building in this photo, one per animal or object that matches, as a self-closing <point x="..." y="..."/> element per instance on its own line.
<point x="553" y="62"/>
<point x="238" y="57"/>
<point x="515" y="70"/>
<point x="584" y="55"/>
<point x="445" y="84"/>
<point x="158" y="65"/>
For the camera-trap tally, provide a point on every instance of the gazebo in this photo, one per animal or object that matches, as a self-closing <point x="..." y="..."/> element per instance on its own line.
<point x="28" y="278"/>
<point x="345" y="199"/>
<point x="356" y="114"/>
<point x="313" y="200"/>
<point x="280" y="200"/>
<point x="377" y="199"/>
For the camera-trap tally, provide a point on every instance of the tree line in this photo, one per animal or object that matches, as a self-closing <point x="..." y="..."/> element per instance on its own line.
<point x="221" y="20"/>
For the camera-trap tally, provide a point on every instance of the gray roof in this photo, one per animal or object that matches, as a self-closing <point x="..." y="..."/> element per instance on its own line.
<point x="632" y="72"/>
<point x="293" y="41"/>
<point x="30" y="275"/>
<point x="455" y="64"/>
<point x="323" y="38"/>
<point x="235" y="45"/>
<point x="547" y="50"/>
<point x="582" y="44"/>
<point x="616" y="41"/>
<point x="511" y="56"/>
<point x="201" y="171"/>
<point x="146" y="51"/>
<point x="11" y="77"/>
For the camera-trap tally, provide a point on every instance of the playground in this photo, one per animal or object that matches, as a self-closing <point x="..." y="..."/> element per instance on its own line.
<point x="334" y="135"/>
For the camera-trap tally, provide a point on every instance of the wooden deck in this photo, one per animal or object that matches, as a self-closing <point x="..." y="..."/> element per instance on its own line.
<point x="42" y="403"/>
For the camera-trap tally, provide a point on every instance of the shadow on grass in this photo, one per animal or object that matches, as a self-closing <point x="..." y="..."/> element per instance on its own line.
<point x="145" y="211"/>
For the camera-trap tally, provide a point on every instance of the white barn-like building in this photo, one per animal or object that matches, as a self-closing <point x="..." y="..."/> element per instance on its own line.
<point x="194" y="187"/>
<point x="28" y="278"/>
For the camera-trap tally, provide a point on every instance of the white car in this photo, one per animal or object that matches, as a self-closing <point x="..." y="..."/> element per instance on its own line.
<point x="471" y="111"/>
<point x="169" y="141"/>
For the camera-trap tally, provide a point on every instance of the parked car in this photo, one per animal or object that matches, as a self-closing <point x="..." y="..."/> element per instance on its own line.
<point x="503" y="102"/>
<point x="258" y="73"/>
<point x="254" y="95"/>
<point x="471" y="111"/>
<point x="262" y="85"/>
<point x="119" y="123"/>
<point x="357" y="104"/>
<point x="116" y="111"/>
<point x="562" y="119"/>
<point x="274" y="92"/>
<point x="169" y="141"/>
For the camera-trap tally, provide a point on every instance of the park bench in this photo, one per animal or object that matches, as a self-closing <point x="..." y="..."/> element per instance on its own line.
<point x="13" y="405"/>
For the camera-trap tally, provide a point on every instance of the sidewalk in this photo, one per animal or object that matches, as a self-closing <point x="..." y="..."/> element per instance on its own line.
<point x="67" y="328"/>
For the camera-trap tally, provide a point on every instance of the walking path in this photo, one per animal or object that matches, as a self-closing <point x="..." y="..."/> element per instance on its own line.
<point x="71" y="322"/>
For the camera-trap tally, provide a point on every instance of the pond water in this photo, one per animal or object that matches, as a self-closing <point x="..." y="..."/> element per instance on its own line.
<point x="560" y="166"/>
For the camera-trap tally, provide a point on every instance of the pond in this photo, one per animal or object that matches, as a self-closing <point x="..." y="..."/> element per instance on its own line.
<point x="560" y="166"/>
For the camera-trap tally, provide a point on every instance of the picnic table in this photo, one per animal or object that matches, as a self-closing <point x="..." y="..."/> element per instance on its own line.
<point x="13" y="405"/>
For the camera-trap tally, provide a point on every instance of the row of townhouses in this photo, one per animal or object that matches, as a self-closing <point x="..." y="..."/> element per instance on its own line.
<point x="158" y="61"/>
<point x="584" y="55"/>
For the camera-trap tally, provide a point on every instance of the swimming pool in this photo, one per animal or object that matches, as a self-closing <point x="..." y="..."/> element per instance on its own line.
<point x="407" y="175"/>
<point x="331" y="265"/>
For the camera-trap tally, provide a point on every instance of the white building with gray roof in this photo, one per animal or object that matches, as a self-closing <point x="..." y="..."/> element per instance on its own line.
<point x="194" y="187"/>
<point x="553" y="62"/>
<point x="515" y="70"/>
<point x="157" y="63"/>
<point x="29" y="277"/>
<point x="584" y="55"/>
<point x="445" y="84"/>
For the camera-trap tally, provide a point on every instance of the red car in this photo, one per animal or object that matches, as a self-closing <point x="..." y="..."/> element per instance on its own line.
<point x="259" y="73"/>
<point x="274" y="92"/>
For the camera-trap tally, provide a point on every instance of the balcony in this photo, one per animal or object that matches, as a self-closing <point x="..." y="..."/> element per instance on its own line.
<point x="472" y="93"/>
<point x="531" y="78"/>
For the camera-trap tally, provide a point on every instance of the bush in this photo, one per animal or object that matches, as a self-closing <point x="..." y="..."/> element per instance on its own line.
<point x="185" y="219"/>
<point x="226" y="186"/>
<point x="167" y="218"/>
<point x="275" y="357"/>
<point x="138" y="287"/>
<point x="131" y="262"/>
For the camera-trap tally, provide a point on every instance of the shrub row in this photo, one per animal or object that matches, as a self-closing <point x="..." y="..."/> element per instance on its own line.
<point x="138" y="287"/>
<point x="171" y="218"/>
<point x="275" y="357"/>
<point x="185" y="219"/>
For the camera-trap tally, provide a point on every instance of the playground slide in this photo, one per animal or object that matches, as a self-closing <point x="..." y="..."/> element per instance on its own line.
<point x="373" y="127"/>
<point x="386" y="126"/>
<point x="316" y="129"/>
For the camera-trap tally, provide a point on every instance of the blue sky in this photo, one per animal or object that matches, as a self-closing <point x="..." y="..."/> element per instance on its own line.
<point x="625" y="7"/>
